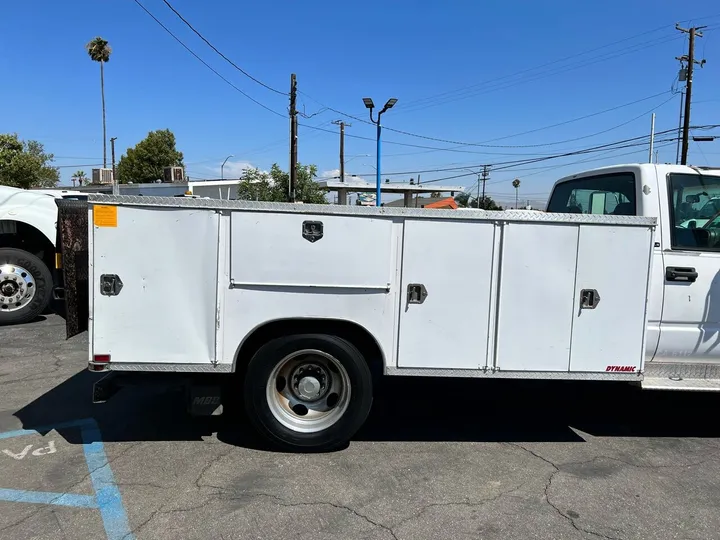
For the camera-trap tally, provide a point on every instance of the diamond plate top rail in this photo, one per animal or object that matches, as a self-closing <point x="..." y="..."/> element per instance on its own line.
<point x="370" y="212"/>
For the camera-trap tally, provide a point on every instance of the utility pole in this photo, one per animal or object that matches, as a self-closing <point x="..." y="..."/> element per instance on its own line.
<point x="652" y="138"/>
<point x="116" y="186"/>
<point x="342" y="194"/>
<point x="485" y="178"/>
<point x="293" y="139"/>
<point x="690" y="59"/>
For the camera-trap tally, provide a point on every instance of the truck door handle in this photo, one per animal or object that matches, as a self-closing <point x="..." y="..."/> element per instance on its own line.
<point x="681" y="273"/>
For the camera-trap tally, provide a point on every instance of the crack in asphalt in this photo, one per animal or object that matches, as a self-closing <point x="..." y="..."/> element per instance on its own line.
<point x="47" y="373"/>
<point x="467" y="503"/>
<point x="282" y="502"/>
<point x="208" y="465"/>
<point x="548" y="485"/>
<point x="160" y="510"/>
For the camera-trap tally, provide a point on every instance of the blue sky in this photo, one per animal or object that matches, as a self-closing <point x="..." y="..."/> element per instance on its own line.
<point x="462" y="71"/>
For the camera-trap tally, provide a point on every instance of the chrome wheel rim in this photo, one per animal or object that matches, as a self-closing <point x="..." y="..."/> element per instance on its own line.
<point x="17" y="287"/>
<point x="308" y="391"/>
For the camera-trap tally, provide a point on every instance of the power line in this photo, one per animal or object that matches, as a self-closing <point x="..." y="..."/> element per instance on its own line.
<point x="233" y="64"/>
<point x="545" y="127"/>
<point x="602" y="155"/>
<point x="554" y="143"/>
<point x="553" y="62"/>
<point x="625" y="143"/>
<point x="80" y="165"/>
<point x="424" y="147"/>
<point x="624" y="52"/>
<point x="484" y="144"/>
<point x="547" y="168"/>
<point x="642" y="115"/>
<point x="563" y="69"/>
<point x="188" y="49"/>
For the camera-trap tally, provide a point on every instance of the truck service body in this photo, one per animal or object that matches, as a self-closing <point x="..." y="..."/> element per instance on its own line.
<point x="297" y="309"/>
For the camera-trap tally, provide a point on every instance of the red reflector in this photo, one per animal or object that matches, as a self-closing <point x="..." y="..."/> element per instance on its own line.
<point x="97" y="368"/>
<point x="101" y="358"/>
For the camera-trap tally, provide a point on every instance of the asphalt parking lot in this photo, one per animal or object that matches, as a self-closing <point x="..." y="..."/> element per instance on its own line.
<point x="437" y="459"/>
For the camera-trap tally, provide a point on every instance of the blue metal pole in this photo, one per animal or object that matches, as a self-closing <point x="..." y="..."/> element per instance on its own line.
<point x="379" y="183"/>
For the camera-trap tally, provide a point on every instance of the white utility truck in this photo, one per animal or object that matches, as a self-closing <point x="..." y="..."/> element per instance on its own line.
<point x="297" y="309"/>
<point x="28" y="276"/>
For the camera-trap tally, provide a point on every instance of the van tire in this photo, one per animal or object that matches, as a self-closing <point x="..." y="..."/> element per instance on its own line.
<point x="41" y="282"/>
<point x="309" y="392"/>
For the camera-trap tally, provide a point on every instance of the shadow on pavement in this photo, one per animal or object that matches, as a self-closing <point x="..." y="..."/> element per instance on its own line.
<point x="412" y="409"/>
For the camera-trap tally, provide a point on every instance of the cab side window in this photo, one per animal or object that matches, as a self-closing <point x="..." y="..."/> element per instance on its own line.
<point x="610" y="194"/>
<point x="695" y="212"/>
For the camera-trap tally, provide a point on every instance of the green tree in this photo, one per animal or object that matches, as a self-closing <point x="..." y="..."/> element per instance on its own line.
<point x="463" y="199"/>
<point x="273" y="186"/>
<point x="466" y="200"/>
<point x="486" y="204"/>
<point x="24" y="164"/>
<point x="99" y="51"/>
<point x="145" y="162"/>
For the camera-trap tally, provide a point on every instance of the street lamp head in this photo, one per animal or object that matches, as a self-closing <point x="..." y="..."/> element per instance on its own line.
<point x="390" y="103"/>
<point x="368" y="103"/>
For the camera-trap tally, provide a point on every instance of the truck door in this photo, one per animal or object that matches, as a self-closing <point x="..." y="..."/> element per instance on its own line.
<point x="690" y="326"/>
<point x="446" y="294"/>
<point x="617" y="193"/>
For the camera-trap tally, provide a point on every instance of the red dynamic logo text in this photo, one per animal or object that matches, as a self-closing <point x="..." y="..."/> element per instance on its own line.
<point x="621" y="368"/>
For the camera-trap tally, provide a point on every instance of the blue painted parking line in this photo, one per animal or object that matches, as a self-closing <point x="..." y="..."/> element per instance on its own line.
<point x="46" y="497"/>
<point x="107" y="498"/>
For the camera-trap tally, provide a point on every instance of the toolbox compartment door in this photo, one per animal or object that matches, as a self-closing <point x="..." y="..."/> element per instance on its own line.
<point x="72" y="256"/>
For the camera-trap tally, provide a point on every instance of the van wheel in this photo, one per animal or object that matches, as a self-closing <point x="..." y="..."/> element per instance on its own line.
<point x="308" y="392"/>
<point x="25" y="286"/>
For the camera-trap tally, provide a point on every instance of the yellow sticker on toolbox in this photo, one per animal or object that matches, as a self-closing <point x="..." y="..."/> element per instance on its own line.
<point x="105" y="216"/>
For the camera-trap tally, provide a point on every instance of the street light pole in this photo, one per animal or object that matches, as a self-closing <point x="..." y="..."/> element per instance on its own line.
<point x="378" y="180"/>
<point x="370" y="105"/>
<point x="222" y="167"/>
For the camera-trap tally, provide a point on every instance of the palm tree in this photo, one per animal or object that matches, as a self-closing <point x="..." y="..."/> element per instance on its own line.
<point x="516" y="185"/>
<point x="99" y="51"/>
<point x="80" y="177"/>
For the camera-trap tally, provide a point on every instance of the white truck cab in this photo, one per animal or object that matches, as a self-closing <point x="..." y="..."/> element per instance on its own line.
<point x="28" y="278"/>
<point x="683" y="334"/>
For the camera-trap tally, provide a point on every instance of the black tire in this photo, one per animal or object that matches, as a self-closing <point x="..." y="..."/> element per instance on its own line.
<point x="43" y="286"/>
<point x="260" y="369"/>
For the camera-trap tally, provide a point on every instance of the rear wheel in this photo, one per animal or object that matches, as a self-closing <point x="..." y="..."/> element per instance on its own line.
<point x="308" y="392"/>
<point x="25" y="286"/>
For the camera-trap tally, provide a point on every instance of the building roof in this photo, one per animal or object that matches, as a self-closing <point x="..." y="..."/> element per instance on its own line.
<point x="425" y="202"/>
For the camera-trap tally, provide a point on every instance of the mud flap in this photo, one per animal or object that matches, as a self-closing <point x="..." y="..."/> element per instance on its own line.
<point x="72" y="244"/>
<point x="204" y="400"/>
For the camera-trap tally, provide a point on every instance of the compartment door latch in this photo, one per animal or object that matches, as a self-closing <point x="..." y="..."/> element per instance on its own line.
<point x="110" y="284"/>
<point x="416" y="293"/>
<point x="589" y="299"/>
